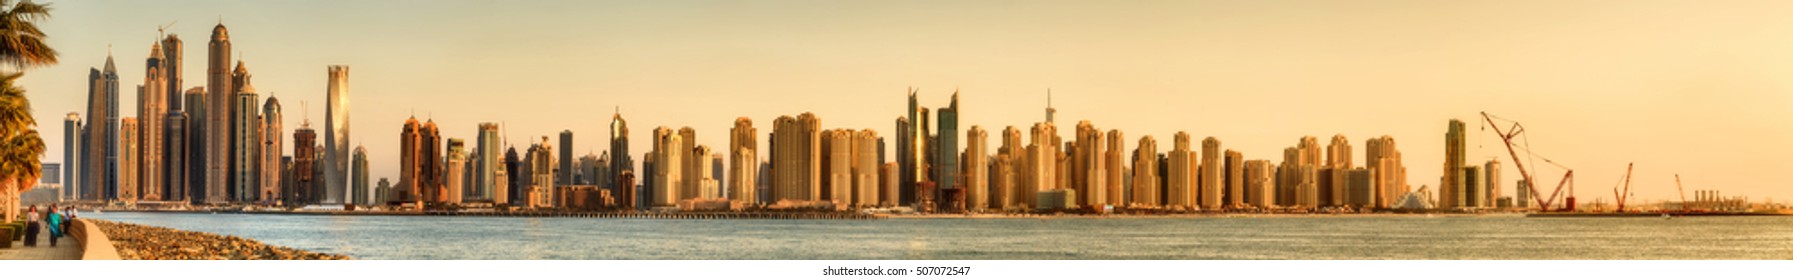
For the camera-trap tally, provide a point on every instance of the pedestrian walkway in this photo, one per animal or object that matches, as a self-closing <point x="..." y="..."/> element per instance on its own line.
<point x="66" y="249"/>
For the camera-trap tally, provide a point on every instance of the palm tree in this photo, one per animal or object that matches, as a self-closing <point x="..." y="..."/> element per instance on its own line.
<point x="19" y="167"/>
<point x="21" y="43"/>
<point x="20" y="146"/>
<point x="22" y="46"/>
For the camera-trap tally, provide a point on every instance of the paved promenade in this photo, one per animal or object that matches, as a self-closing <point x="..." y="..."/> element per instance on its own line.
<point x="66" y="249"/>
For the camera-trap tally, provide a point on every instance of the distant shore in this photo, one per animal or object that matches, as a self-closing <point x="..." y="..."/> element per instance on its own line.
<point x="140" y="242"/>
<point x="818" y="215"/>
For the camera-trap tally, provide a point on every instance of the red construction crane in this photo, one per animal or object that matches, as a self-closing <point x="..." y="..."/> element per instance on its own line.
<point x="1627" y="182"/>
<point x="1568" y="176"/>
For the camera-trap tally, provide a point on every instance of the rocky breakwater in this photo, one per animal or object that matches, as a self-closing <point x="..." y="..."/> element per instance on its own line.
<point x="139" y="242"/>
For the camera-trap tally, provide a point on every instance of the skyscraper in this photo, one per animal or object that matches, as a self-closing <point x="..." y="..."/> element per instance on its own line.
<point x="540" y="166"/>
<point x="71" y="161"/>
<point x="1212" y="173"/>
<point x="358" y="181"/>
<point x="505" y="189"/>
<point x="946" y="167"/>
<point x="911" y="143"/>
<point x="1260" y="183"/>
<point x="1012" y="165"/>
<point x="485" y="169"/>
<point x="220" y="95"/>
<point x="456" y="167"/>
<point x="336" y="135"/>
<point x="246" y="141"/>
<point x="270" y="149"/>
<point x="1089" y="166"/>
<point x="620" y="161"/>
<point x="1145" y="173"/>
<point x="743" y="151"/>
<point x="865" y="168"/>
<point x="1233" y="196"/>
<point x="194" y="165"/>
<point x="566" y="159"/>
<point x="410" y="172"/>
<point x="1388" y="176"/>
<point x="1491" y="181"/>
<point x="668" y="155"/>
<point x="1186" y="183"/>
<point x="1451" y="193"/>
<point x="837" y="165"/>
<point x="101" y="153"/>
<point x="305" y="183"/>
<point x="796" y="158"/>
<point x="977" y="169"/>
<point x="1338" y="162"/>
<point x="174" y="177"/>
<point x="171" y="70"/>
<point x="152" y="112"/>
<point x="429" y="162"/>
<point x="1043" y="155"/>
<point x="690" y="172"/>
<point x="1115" y="169"/>
<point x="698" y="184"/>
<point x="128" y="188"/>
<point x="176" y="132"/>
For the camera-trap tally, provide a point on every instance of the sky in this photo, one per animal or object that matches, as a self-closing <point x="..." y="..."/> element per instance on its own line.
<point x="1696" y="88"/>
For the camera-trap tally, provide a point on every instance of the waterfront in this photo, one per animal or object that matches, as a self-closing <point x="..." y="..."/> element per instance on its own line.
<point x="1220" y="237"/>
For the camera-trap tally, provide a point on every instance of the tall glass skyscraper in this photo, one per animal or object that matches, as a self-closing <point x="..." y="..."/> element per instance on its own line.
<point x="336" y="136"/>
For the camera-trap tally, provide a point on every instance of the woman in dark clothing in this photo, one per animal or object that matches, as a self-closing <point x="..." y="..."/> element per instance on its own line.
<point x="31" y="228"/>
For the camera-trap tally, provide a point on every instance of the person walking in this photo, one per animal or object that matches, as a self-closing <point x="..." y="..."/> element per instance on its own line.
<point x="55" y="225"/>
<point x="31" y="227"/>
<point x="70" y="213"/>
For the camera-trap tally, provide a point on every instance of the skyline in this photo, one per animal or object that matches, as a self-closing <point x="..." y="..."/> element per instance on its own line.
<point x="731" y="75"/>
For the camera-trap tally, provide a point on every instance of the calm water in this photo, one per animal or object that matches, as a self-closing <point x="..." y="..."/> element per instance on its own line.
<point x="1404" y="237"/>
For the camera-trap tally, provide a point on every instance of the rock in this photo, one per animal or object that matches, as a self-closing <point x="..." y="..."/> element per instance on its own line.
<point x="138" y="242"/>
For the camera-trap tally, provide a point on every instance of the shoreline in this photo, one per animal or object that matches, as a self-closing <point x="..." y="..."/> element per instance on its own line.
<point x="823" y="215"/>
<point x="801" y="215"/>
<point x="144" y="242"/>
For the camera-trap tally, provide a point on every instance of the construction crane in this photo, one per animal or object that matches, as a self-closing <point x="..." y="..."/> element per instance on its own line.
<point x="1684" y="206"/>
<point x="1568" y="176"/>
<point x="1620" y="195"/>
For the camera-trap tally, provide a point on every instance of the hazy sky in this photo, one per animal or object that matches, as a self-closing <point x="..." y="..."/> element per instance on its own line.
<point x="1699" y="88"/>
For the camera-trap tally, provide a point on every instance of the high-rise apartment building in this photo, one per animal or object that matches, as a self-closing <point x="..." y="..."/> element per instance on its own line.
<point x="1451" y="188"/>
<point x="668" y="156"/>
<point x="1183" y="176"/>
<point x="1260" y="183"/>
<point x="796" y="158"/>
<point x="1387" y="174"/>
<point x="976" y="161"/>
<point x="1233" y="193"/>
<point x="743" y="151"/>
<point x="1089" y="164"/>
<point x="1212" y="174"/>
<point x="1145" y="173"/>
